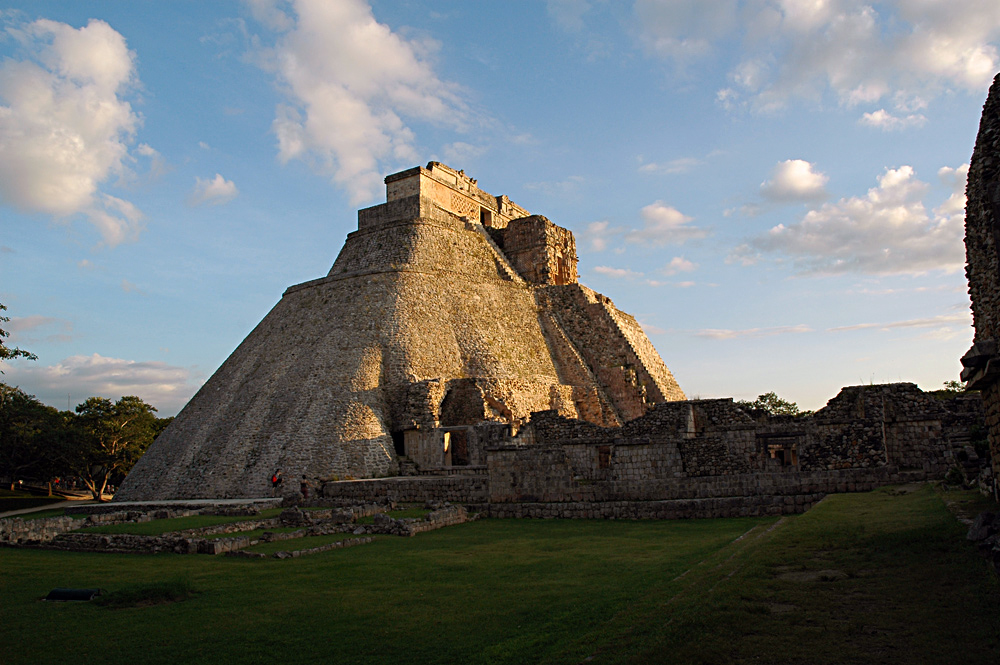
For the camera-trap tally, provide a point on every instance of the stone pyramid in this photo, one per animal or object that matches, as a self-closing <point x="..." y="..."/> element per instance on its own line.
<point x="448" y="307"/>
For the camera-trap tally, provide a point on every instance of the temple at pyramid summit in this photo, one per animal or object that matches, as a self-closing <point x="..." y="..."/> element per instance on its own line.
<point x="448" y="318"/>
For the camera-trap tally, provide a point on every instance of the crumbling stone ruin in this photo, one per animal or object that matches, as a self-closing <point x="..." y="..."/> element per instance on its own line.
<point x="452" y="349"/>
<point x="448" y="307"/>
<point x="708" y="458"/>
<point x="229" y="538"/>
<point x="982" y="249"/>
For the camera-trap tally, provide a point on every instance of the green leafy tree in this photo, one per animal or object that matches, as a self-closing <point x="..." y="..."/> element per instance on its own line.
<point x="30" y="433"/>
<point x="7" y="353"/>
<point x="110" y="439"/>
<point x="772" y="404"/>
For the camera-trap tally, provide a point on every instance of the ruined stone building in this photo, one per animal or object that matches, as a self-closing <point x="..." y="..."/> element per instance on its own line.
<point x="448" y="307"/>
<point x="451" y="355"/>
<point x="982" y="247"/>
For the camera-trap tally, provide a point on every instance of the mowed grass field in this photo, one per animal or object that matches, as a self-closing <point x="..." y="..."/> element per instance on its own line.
<point x="884" y="577"/>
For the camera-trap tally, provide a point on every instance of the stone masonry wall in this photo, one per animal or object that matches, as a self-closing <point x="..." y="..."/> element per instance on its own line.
<point x="542" y="252"/>
<point x="711" y="448"/>
<point x="632" y="383"/>
<point x="982" y="250"/>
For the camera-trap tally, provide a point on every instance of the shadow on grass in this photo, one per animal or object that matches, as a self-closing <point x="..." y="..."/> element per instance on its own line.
<point x="146" y="595"/>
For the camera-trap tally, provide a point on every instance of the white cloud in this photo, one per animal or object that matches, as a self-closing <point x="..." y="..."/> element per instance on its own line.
<point x="164" y="386"/>
<point x="651" y="329"/>
<point x="350" y="82"/>
<point x="885" y="121"/>
<point x="557" y="188"/>
<point x="216" y="191"/>
<point x="599" y="234"/>
<point x="722" y="333"/>
<point x="36" y="328"/>
<point x="888" y="231"/>
<point x="157" y="165"/>
<point x="794" y="180"/>
<point x="664" y="225"/>
<point x="457" y="154"/>
<point x="617" y="273"/>
<point x="684" y="29"/>
<point x="129" y="287"/>
<point x="64" y="126"/>
<point x="937" y="322"/>
<point x="674" y="166"/>
<point x="678" y="264"/>
<point x="568" y="14"/>
<point x="903" y="51"/>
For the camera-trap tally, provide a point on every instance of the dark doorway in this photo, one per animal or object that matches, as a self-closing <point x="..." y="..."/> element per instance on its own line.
<point x="460" y="447"/>
<point x="398" y="442"/>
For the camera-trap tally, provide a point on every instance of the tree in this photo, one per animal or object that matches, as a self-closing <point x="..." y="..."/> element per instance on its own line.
<point x="110" y="439"/>
<point x="951" y="389"/>
<point x="772" y="404"/>
<point x="8" y="353"/>
<point x="29" y="435"/>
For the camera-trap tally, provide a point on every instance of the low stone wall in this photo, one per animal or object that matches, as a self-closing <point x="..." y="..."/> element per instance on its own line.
<point x="439" y="519"/>
<point x="128" y="543"/>
<point x="734" y="506"/>
<point x="454" y="489"/>
<point x="294" y="554"/>
<point x="14" y="530"/>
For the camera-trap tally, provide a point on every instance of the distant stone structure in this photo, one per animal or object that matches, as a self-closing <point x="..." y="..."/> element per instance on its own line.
<point x="982" y="247"/>
<point x="448" y="307"/>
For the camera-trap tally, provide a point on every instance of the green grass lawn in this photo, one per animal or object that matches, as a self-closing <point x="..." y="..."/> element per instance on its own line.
<point x="885" y="577"/>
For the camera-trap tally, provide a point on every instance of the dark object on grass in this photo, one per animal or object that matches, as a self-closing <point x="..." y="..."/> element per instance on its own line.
<point x="61" y="594"/>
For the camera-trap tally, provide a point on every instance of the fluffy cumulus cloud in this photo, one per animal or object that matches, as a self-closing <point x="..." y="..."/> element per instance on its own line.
<point x="888" y="122"/>
<point x="215" y="191"/>
<point x="164" y="386"/>
<point x="888" y="231"/>
<point x="678" y="264"/>
<point x="599" y="234"/>
<point x="901" y="51"/>
<point x="664" y="225"/>
<point x="65" y="126"/>
<point x="794" y="180"/>
<point x="349" y="83"/>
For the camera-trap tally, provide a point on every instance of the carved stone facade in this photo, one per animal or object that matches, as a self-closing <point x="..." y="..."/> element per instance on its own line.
<point x="447" y="307"/>
<point x="982" y="247"/>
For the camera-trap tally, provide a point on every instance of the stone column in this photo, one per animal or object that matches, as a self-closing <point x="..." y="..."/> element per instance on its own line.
<point x="982" y="249"/>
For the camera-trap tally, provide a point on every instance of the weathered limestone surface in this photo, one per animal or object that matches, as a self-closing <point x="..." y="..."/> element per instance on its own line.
<point x="982" y="248"/>
<point x="422" y="322"/>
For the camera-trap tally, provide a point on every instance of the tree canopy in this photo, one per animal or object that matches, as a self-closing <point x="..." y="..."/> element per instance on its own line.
<point x="98" y="443"/>
<point x="7" y="353"/>
<point x="110" y="438"/>
<point x="772" y="404"/>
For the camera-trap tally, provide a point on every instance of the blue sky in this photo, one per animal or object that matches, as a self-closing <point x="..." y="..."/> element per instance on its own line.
<point x="773" y="188"/>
